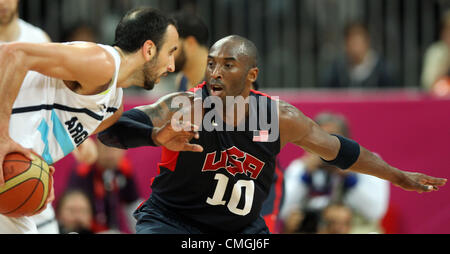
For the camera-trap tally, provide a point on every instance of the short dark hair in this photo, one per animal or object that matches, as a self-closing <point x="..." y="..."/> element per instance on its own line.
<point x="191" y="25"/>
<point x="139" y="25"/>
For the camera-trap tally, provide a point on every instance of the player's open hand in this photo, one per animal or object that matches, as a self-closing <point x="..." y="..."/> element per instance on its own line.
<point x="419" y="182"/>
<point x="7" y="145"/>
<point x="175" y="136"/>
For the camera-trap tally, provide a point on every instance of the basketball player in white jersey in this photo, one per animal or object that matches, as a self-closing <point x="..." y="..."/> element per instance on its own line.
<point x="56" y="95"/>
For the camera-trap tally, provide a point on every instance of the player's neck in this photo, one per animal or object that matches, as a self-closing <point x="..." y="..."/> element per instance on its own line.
<point x="11" y="31"/>
<point x="128" y="66"/>
<point x="236" y="118"/>
<point x="233" y="112"/>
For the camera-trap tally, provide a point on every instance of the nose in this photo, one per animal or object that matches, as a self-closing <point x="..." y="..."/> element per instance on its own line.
<point x="171" y="66"/>
<point x="216" y="74"/>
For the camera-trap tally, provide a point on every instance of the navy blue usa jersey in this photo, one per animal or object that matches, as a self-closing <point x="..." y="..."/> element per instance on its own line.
<point x="223" y="187"/>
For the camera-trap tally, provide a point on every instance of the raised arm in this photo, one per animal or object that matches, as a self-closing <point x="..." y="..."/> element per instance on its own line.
<point x="298" y="129"/>
<point x="153" y="125"/>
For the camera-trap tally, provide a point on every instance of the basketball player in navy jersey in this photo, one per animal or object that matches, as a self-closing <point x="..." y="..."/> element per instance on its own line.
<point x="222" y="188"/>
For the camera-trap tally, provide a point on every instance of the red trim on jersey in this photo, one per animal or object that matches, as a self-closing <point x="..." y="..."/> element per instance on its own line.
<point x="278" y="190"/>
<point x="140" y="205"/>
<point x="168" y="159"/>
<point x="200" y="86"/>
<point x="271" y="219"/>
<point x="260" y="93"/>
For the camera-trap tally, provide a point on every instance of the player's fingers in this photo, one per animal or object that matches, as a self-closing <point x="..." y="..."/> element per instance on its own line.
<point x="189" y="129"/>
<point x="192" y="148"/>
<point x="51" y="195"/>
<point x="25" y="151"/>
<point x="188" y="126"/>
<point x="51" y="170"/>
<point x="435" y="180"/>
<point x="2" y="179"/>
<point x="425" y="188"/>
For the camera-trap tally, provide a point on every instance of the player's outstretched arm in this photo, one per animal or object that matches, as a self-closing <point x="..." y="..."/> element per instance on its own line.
<point x="298" y="129"/>
<point x="153" y="125"/>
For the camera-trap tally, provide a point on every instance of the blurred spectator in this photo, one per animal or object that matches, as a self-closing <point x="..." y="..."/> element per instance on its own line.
<point x="109" y="183"/>
<point x="80" y="32"/>
<point x="191" y="56"/>
<point x="335" y="219"/>
<point x="74" y="212"/>
<point x="436" y="65"/>
<point x="361" y="66"/>
<point x="311" y="185"/>
<point x="12" y="28"/>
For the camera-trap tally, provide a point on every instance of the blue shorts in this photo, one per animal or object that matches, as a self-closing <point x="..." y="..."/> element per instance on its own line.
<point x="153" y="218"/>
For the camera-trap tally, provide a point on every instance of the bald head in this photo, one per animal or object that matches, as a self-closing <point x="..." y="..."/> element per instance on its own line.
<point x="240" y="47"/>
<point x="232" y="67"/>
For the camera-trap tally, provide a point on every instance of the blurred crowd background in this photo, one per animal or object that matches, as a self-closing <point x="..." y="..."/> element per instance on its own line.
<point x="298" y="39"/>
<point x="362" y="68"/>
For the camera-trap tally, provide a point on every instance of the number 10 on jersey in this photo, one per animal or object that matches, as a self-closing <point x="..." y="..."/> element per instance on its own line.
<point x="236" y="194"/>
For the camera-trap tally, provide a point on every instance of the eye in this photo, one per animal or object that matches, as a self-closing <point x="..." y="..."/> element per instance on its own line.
<point x="228" y="65"/>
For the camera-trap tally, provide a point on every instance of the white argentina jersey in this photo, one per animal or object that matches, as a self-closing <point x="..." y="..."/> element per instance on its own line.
<point x="52" y="120"/>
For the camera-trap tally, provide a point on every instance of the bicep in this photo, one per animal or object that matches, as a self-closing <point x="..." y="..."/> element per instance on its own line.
<point x="302" y="131"/>
<point x="87" y="63"/>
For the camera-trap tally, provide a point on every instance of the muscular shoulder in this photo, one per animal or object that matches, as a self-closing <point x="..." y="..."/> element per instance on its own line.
<point x="294" y="125"/>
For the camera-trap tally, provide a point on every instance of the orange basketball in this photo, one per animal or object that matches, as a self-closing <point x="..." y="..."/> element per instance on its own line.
<point x="27" y="185"/>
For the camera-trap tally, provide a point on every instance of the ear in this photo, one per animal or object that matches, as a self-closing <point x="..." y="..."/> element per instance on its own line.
<point x="252" y="75"/>
<point x="149" y="50"/>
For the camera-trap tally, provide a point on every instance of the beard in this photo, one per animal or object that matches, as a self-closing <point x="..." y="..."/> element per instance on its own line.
<point x="150" y="75"/>
<point x="8" y="17"/>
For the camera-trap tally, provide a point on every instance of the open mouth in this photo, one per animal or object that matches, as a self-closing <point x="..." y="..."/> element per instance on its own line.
<point x="216" y="90"/>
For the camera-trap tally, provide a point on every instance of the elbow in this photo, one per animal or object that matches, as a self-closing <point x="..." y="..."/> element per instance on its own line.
<point x="13" y="55"/>
<point x="108" y="138"/>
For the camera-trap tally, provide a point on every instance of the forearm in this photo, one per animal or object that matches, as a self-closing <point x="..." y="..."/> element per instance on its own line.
<point x="133" y="129"/>
<point x="12" y="74"/>
<point x="371" y="164"/>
